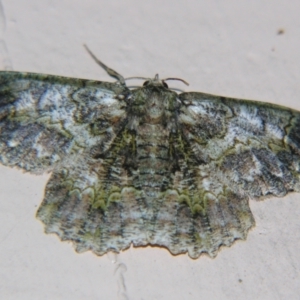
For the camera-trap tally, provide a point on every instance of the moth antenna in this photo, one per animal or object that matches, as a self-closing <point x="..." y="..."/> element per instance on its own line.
<point x="179" y="79"/>
<point x="138" y="77"/>
<point x="108" y="70"/>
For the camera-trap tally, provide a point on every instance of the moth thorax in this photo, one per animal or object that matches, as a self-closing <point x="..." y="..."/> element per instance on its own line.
<point x="155" y="109"/>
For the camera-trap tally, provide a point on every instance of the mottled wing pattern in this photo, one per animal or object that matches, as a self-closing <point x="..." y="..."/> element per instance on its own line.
<point x="238" y="150"/>
<point x="44" y="119"/>
<point x="146" y="166"/>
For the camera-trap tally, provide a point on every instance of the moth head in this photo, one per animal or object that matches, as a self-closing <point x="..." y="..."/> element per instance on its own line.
<point x="156" y="81"/>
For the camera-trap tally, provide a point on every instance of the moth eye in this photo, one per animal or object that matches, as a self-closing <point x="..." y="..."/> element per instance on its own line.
<point x="146" y="83"/>
<point x="165" y="85"/>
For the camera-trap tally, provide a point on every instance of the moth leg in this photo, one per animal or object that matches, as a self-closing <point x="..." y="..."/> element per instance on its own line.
<point x="108" y="70"/>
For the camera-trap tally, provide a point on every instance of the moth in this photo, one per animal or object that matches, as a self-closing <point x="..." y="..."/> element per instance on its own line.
<point x="146" y="166"/>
